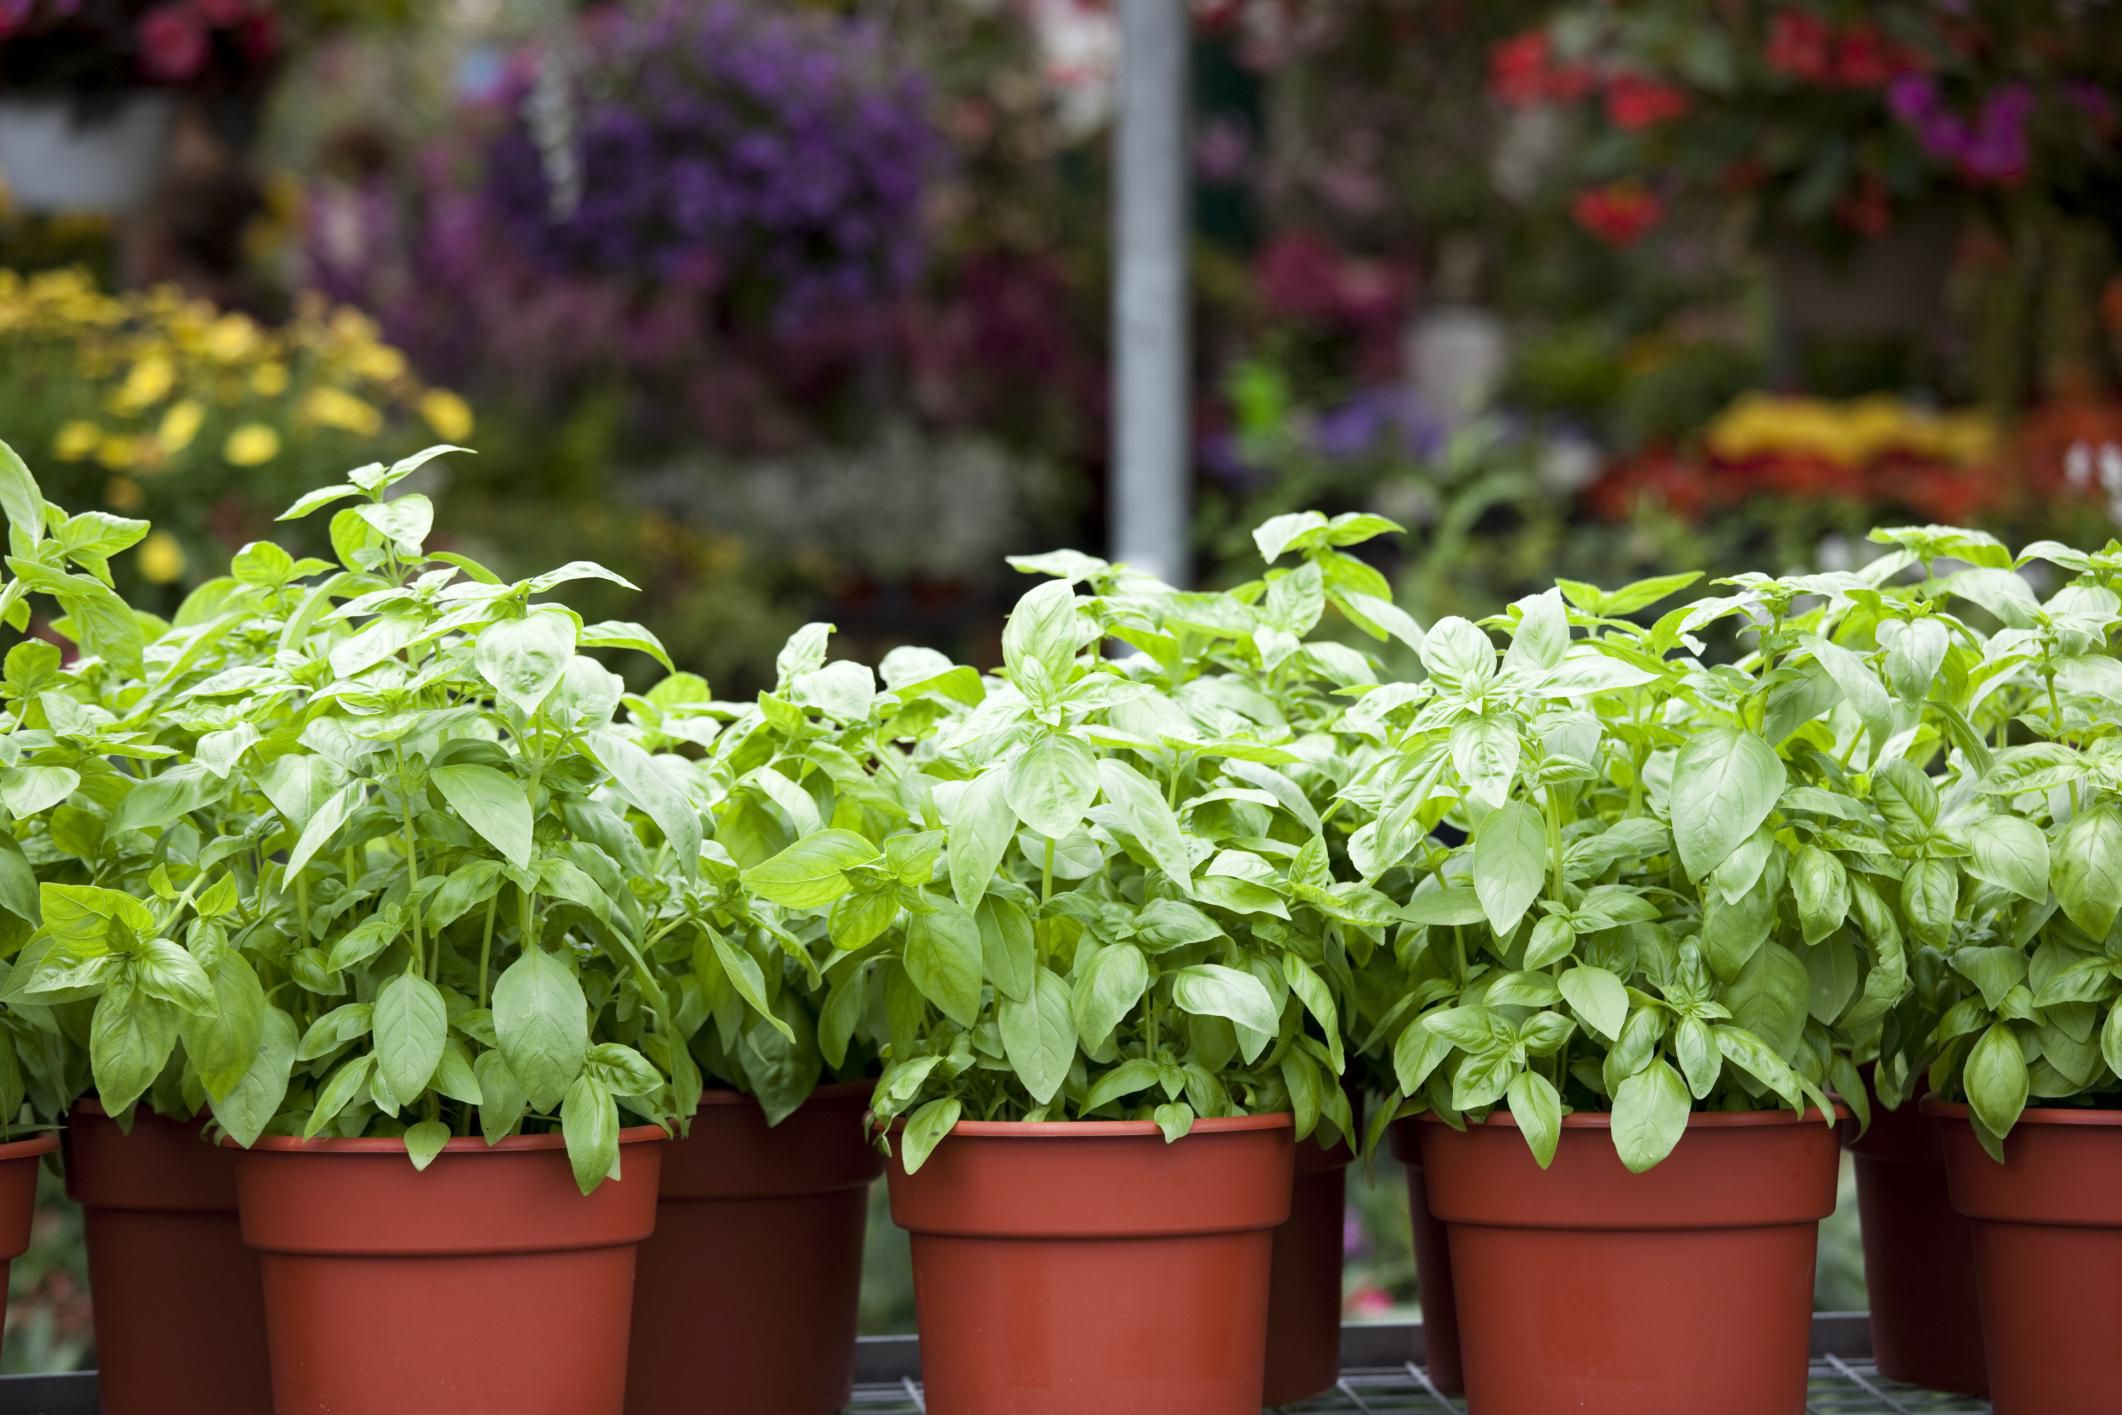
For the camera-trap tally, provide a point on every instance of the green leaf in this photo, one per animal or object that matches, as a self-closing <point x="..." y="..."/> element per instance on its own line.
<point x="589" y="1123"/>
<point x="982" y="823"/>
<point x="337" y="809"/>
<point x="541" y="1020"/>
<point x="130" y="1037"/>
<point x="1995" y="1079"/>
<point x="1042" y="630"/>
<point x="1724" y="785"/>
<point x="163" y="970"/>
<point x="1146" y="815"/>
<point x="2010" y="853"/>
<point x="86" y="921"/>
<point x="1650" y="1116"/>
<point x="747" y="978"/>
<point x="1039" y="1036"/>
<point x="1318" y="1000"/>
<point x="926" y="1128"/>
<point x="338" y="1093"/>
<point x="411" y="1023"/>
<point x="223" y="1041"/>
<point x="502" y="1099"/>
<point x="1007" y="949"/>
<point x="523" y="659"/>
<point x="494" y="804"/>
<point x="20" y="499"/>
<point x="943" y="959"/>
<point x="250" y="1105"/>
<point x="1107" y="990"/>
<point x="1820" y="886"/>
<point x="1510" y="862"/>
<point x="1052" y="784"/>
<point x="1212" y="990"/>
<point x="424" y="1141"/>
<point x="32" y="790"/>
<point x="1597" y="997"/>
<point x="643" y="785"/>
<point x="811" y="872"/>
<point x="2086" y="869"/>
<point x="1537" y="1107"/>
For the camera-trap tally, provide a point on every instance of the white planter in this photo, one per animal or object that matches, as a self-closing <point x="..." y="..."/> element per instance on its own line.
<point x="107" y="162"/>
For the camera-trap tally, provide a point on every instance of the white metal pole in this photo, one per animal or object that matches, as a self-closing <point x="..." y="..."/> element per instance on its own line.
<point x="1151" y="465"/>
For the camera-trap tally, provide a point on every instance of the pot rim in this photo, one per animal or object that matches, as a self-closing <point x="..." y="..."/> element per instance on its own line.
<point x="2034" y="1115"/>
<point x="395" y="1144"/>
<point x="31" y="1147"/>
<point x="830" y="1090"/>
<point x="1116" y="1129"/>
<point x="1712" y="1119"/>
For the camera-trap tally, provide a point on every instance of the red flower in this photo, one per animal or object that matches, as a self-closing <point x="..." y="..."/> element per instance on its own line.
<point x="1633" y="102"/>
<point x="1520" y="73"/>
<point x="220" y="14"/>
<point x="1517" y="69"/>
<point x="173" y="47"/>
<point x="1619" y="214"/>
<point x="1865" y="58"/>
<point x="1800" y="44"/>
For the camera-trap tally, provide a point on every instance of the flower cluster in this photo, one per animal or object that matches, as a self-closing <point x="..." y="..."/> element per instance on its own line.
<point x="147" y="399"/>
<point x="76" y="45"/>
<point x="725" y="145"/>
<point x="1806" y="47"/>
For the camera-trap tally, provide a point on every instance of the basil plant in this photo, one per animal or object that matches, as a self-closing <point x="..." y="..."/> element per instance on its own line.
<point x="2023" y="816"/>
<point x="1123" y="901"/>
<point x="1637" y="881"/>
<point x="392" y="868"/>
<point x="768" y="977"/>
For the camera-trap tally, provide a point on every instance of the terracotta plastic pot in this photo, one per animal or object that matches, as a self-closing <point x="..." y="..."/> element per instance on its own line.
<point x="1919" y="1256"/>
<point x="19" y="1160"/>
<point x="487" y="1285"/>
<point x="2048" y="1255"/>
<point x="1679" y="1291"/>
<point x="1433" y="1266"/>
<point x="1304" y="1290"/>
<point x="167" y="1268"/>
<point x="1088" y="1268"/>
<point x="745" y="1298"/>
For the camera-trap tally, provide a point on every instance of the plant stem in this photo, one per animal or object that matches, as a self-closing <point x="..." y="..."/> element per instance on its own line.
<point x="486" y="944"/>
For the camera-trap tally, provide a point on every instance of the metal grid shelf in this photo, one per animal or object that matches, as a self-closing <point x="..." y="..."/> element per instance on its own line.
<point x="1381" y="1375"/>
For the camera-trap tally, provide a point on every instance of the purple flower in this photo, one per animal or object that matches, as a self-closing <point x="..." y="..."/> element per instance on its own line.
<point x="1912" y="97"/>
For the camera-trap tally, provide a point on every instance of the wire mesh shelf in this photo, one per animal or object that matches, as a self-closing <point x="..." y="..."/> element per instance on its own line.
<point x="1381" y="1375"/>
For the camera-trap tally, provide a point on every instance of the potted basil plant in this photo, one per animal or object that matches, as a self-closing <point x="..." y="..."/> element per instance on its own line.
<point x="424" y="819"/>
<point x="2025" y="1064"/>
<point x="1108" y="1010"/>
<point x="769" y="1189"/>
<point x="1640" y="928"/>
<point x="167" y="1266"/>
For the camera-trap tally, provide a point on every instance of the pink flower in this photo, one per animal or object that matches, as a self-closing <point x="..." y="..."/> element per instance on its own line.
<point x="173" y="47"/>
<point x="1633" y="101"/>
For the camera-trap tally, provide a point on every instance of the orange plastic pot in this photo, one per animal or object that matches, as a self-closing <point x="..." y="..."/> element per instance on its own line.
<point x="746" y="1296"/>
<point x="1433" y="1266"/>
<point x="1919" y="1255"/>
<point x="18" y="1197"/>
<point x="487" y="1285"/>
<point x="2048" y="1255"/>
<point x="167" y="1269"/>
<point x="1304" y="1289"/>
<point x="1683" y="1290"/>
<point x="1088" y="1268"/>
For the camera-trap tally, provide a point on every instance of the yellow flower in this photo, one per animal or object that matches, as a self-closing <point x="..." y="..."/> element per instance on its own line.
<point x="180" y="425"/>
<point x="379" y="363"/>
<point x="161" y="558"/>
<point x="76" y="440"/>
<point x="146" y="384"/>
<point x="269" y="379"/>
<point x="449" y="415"/>
<point x="230" y="338"/>
<point x="123" y="494"/>
<point x="251" y="445"/>
<point x="116" y="452"/>
<point x="333" y="407"/>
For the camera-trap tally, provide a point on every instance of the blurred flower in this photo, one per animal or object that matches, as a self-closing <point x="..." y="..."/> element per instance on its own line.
<point x="1634" y="101"/>
<point x="1800" y="45"/>
<point x="1620" y="213"/>
<point x="251" y="445"/>
<point x="161" y="558"/>
<point x="449" y="415"/>
<point x="1521" y="73"/>
<point x="146" y="384"/>
<point x="334" y="407"/>
<point x="269" y="379"/>
<point x="77" y="439"/>
<point x="173" y="45"/>
<point x="123" y="495"/>
<point x="180" y="425"/>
